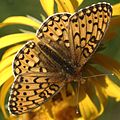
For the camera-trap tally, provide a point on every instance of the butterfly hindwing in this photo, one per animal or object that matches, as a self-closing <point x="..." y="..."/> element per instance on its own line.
<point x="86" y="30"/>
<point x="30" y="90"/>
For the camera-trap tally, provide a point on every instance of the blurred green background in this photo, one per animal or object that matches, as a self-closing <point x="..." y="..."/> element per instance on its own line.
<point x="33" y="8"/>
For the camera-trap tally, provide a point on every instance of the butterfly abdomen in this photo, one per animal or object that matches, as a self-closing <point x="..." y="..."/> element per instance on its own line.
<point x="56" y="57"/>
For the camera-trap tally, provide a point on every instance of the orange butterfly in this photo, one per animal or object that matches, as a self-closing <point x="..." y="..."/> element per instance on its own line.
<point x="66" y="43"/>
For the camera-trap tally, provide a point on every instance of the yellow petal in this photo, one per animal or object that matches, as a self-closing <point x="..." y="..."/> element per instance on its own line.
<point x="105" y="87"/>
<point x="15" y="38"/>
<point x="11" y="51"/>
<point x="20" y="20"/>
<point x="111" y="64"/>
<point x="5" y="74"/>
<point x="116" y="9"/>
<point x="4" y="91"/>
<point x="101" y="94"/>
<point x="65" y="6"/>
<point x="102" y="97"/>
<point x="34" y="19"/>
<point x="76" y="3"/>
<point x="100" y="91"/>
<point x="68" y="5"/>
<point x="6" y="62"/>
<point x="112" y="89"/>
<point x="42" y="16"/>
<point x="87" y="107"/>
<point x="11" y="117"/>
<point x="60" y="8"/>
<point x="80" y="118"/>
<point x="48" y="6"/>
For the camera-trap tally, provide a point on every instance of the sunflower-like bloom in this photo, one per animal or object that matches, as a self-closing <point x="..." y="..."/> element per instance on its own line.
<point x="93" y="93"/>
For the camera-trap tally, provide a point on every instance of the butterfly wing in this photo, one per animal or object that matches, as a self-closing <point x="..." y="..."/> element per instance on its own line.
<point x="30" y="90"/>
<point x="86" y="30"/>
<point x="36" y="79"/>
<point x="55" y="28"/>
<point x="31" y="59"/>
<point x="54" y="32"/>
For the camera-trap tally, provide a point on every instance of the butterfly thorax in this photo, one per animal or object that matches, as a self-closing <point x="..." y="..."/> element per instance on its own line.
<point x="71" y="72"/>
<point x="64" y="64"/>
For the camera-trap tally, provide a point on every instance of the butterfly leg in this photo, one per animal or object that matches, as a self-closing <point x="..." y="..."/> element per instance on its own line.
<point x="77" y="96"/>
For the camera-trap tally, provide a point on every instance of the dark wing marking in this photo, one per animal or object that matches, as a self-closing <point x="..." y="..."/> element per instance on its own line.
<point x="86" y="30"/>
<point x="54" y="32"/>
<point x="30" y="90"/>
<point x="37" y="78"/>
<point x="31" y="59"/>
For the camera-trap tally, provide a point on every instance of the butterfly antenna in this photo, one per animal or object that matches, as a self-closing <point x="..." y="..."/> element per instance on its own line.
<point x="99" y="75"/>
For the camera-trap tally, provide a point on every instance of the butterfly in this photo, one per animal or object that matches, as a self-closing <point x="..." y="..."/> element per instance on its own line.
<point x="65" y="44"/>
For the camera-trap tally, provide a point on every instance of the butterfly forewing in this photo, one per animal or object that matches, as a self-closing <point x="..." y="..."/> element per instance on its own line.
<point x="55" y="28"/>
<point x="31" y="58"/>
<point x="86" y="30"/>
<point x="54" y="31"/>
<point x="26" y="58"/>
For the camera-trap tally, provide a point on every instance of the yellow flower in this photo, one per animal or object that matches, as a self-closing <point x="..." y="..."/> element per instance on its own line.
<point x="98" y="88"/>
